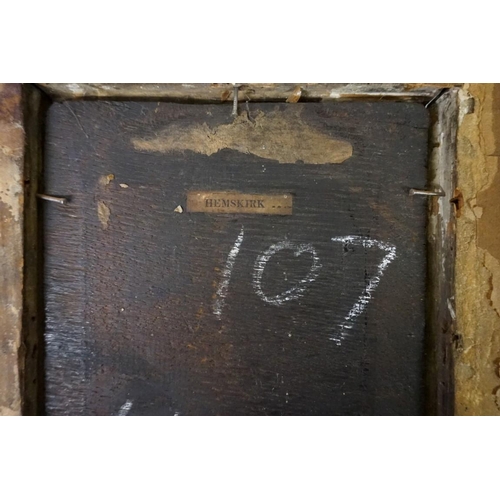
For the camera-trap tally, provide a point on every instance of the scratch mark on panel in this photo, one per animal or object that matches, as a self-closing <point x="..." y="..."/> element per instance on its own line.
<point x="226" y="275"/>
<point x="77" y="119"/>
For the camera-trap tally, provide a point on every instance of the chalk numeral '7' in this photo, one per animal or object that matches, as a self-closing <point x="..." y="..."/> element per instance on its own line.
<point x="366" y="295"/>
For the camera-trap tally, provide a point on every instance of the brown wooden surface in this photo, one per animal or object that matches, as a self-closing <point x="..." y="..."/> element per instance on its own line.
<point x="289" y="92"/>
<point x="441" y="257"/>
<point x="11" y="246"/>
<point x="135" y="320"/>
<point x="32" y="374"/>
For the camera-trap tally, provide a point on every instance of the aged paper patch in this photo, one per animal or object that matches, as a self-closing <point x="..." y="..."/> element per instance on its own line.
<point x="230" y="202"/>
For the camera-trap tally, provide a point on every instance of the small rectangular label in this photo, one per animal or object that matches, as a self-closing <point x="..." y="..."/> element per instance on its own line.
<point x="229" y="202"/>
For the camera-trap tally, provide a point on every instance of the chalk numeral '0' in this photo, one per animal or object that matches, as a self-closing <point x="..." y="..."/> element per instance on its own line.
<point x="297" y="290"/>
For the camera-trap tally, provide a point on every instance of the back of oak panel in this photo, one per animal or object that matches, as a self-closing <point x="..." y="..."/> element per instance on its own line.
<point x="152" y="309"/>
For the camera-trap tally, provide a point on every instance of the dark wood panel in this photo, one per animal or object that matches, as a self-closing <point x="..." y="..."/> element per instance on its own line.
<point x="153" y="311"/>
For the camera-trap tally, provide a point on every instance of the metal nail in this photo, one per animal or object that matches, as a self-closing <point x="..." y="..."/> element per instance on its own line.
<point x="436" y="97"/>
<point x="424" y="192"/>
<point x="54" y="199"/>
<point x="235" y="100"/>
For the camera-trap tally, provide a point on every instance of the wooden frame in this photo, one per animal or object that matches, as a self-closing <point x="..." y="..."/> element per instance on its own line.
<point x="21" y="285"/>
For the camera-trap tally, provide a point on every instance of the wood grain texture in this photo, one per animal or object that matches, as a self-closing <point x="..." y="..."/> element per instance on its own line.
<point x="193" y="313"/>
<point x="11" y="246"/>
<point x="35" y="105"/>
<point x="217" y="92"/>
<point x="441" y="256"/>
